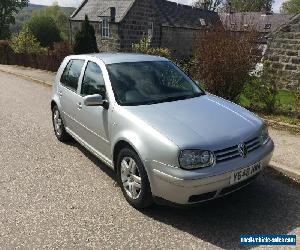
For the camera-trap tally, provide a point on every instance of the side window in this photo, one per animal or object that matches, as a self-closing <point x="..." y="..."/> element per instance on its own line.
<point x="105" y="27"/>
<point x="93" y="82"/>
<point x="71" y="74"/>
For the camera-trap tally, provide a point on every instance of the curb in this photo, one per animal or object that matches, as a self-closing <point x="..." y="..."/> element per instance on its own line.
<point x="291" y="173"/>
<point x="282" y="124"/>
<point x="26" y="77"/>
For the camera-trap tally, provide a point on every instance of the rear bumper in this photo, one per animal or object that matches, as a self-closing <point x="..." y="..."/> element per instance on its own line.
<point x="189" y="187"/>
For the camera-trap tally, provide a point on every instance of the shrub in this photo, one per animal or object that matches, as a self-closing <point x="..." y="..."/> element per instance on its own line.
<point x="85" y="39"/>
<point x="144" y="46"/>
<point x="44" y="29"/>
<point x="26" y="43"/>
<point x="262" y="96"/>
<point x="222" y="61"/>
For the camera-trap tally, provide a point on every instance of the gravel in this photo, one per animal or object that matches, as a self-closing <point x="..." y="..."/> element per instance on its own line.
<point x="59" y="196"/>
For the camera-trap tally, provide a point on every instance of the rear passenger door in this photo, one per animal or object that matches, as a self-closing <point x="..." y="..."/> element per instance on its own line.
<point x="68" y="88"/>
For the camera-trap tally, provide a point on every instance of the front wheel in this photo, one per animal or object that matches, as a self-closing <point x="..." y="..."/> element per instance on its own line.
<point x="133" y="179"/>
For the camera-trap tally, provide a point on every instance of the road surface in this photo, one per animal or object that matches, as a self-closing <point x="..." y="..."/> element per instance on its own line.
<point x="59" y="196"/>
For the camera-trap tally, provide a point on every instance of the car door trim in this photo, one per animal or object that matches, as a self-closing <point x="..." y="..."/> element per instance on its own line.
<point x="94" y="133"/>
<point x="102" y="157"/>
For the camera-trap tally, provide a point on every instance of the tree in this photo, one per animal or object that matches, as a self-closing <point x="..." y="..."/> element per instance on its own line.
<point x="222" y="61"/>
<point x="208" y="4"/>
<point x="291" y="7"/>
<point x="26" y="43"/>
<point x="59" y="17"/>
<point x="249" y="6"/>
<point x="44" y="29"/>
<point x="7" y="10"/>
<point x="85" y="39"/>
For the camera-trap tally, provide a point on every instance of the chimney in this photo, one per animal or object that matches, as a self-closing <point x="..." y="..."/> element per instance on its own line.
<point x="112" y="14"/>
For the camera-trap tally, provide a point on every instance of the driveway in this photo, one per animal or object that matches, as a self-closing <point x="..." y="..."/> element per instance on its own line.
<point x="55" y="195"/>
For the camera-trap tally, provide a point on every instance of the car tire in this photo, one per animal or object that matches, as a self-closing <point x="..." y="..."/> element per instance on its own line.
<point x="133" y="179"/>
<point x="58" y="126"/>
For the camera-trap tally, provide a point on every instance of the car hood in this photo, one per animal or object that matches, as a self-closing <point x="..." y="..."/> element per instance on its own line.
<point x="207" y="122"/>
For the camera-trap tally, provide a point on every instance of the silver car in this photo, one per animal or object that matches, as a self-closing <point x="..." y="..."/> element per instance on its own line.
<point x="166" y="138"/>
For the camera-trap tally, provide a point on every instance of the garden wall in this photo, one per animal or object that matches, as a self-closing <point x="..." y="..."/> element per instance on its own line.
<point x="284" y="55"/>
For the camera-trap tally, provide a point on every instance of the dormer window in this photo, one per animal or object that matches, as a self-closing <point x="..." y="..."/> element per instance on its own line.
<point x="105" y="27"/>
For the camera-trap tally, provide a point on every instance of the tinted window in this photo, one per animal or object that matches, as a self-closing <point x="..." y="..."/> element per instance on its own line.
<point x="71" y="74"/>
<point x="93" y="82"/>
<point x="138" y="83"/>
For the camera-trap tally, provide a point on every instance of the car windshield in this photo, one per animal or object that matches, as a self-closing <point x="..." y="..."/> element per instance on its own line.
<point x="141" y="83"/>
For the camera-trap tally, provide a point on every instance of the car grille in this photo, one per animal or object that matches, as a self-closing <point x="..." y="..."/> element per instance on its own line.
<point x="233" y="152"/>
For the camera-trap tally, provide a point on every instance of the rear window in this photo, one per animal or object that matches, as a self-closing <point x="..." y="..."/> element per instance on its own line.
<point x="71" y="74"/>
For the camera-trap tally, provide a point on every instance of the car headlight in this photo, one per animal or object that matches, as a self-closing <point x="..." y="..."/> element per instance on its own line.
<point x="193" y="159"/>
<point x="264" y="136"/>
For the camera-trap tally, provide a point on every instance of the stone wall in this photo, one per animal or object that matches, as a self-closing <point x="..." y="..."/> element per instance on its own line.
<point x="180" y="41"/>
<point x="135" y="25"/>
<point x="111" y="43"/>
<point x="284" y="55"/>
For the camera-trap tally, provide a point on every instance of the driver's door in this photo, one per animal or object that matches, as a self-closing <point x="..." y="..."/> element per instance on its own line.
<point x="94" y="120"/>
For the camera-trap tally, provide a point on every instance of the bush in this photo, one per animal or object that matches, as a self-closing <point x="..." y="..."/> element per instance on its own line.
<point x="26" y="43"/>
<point x="222" y="61"/>
<point x="44" y="29"/>
<point x="85" y="39"/>
<point x="144" y="47"/>
<point x="261" y="96"/>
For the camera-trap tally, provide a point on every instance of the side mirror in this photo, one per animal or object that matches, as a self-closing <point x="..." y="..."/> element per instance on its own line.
<point x="94" y="100"/>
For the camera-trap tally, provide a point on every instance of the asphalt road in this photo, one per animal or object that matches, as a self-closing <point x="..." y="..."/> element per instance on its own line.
<point x="55" y="195"/>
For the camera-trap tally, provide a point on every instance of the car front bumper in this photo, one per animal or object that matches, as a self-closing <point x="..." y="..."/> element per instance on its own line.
<point x="180" y="186"/>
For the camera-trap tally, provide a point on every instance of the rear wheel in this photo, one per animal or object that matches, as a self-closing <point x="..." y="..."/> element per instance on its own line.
<point x="58" y="126"/>
<point x="133" y="179"/>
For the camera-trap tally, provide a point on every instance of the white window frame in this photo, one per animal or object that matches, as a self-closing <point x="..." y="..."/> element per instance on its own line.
<point x="105" y="29"/>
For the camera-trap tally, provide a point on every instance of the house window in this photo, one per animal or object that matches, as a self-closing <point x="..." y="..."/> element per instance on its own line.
<point x="150" y="29"/>
<point x="105" y="27"/>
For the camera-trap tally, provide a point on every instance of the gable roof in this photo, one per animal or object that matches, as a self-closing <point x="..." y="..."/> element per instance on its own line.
<point x="243" y="21"/>
<point x="171" y="14"/>
<point x="96" y="8"/>
<point x="180" y="15"/>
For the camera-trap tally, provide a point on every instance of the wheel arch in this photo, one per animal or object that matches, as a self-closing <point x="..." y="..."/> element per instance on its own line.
<point x="119" y="145"/>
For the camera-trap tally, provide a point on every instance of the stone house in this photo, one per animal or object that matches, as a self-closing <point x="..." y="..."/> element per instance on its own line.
<point x="283" y="53"/>
<point x="120" y="23"/>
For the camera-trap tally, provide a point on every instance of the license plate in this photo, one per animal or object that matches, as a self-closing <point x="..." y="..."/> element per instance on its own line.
<point x="245" y="173"/>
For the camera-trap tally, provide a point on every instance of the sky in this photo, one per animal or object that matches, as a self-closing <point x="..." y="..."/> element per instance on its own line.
<point x="75" y="3"/>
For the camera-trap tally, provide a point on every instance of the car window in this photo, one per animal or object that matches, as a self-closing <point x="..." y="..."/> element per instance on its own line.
<point x="71" y="74"/>
<point x="93" y="82"/>
<point x="141" y="83"/>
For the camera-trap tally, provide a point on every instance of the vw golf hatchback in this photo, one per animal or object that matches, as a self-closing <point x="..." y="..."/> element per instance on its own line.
<point x="166" y="138"/>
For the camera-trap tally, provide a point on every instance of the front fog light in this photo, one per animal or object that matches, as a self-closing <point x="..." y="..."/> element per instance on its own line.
<point x="193" y="159"/>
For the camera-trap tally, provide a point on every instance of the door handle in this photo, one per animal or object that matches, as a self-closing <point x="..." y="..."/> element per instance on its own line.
<point x="60" y="93"/>
<point x="79" y="105"/>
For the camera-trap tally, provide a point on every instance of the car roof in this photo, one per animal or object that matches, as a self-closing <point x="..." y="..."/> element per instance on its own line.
<point x="111" y="58"/>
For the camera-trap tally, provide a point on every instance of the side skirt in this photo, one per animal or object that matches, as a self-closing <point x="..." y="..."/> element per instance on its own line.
<point x="99" y="155"/>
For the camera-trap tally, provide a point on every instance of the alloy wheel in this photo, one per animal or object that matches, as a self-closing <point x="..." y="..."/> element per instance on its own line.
<point x="130" y="177"/>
